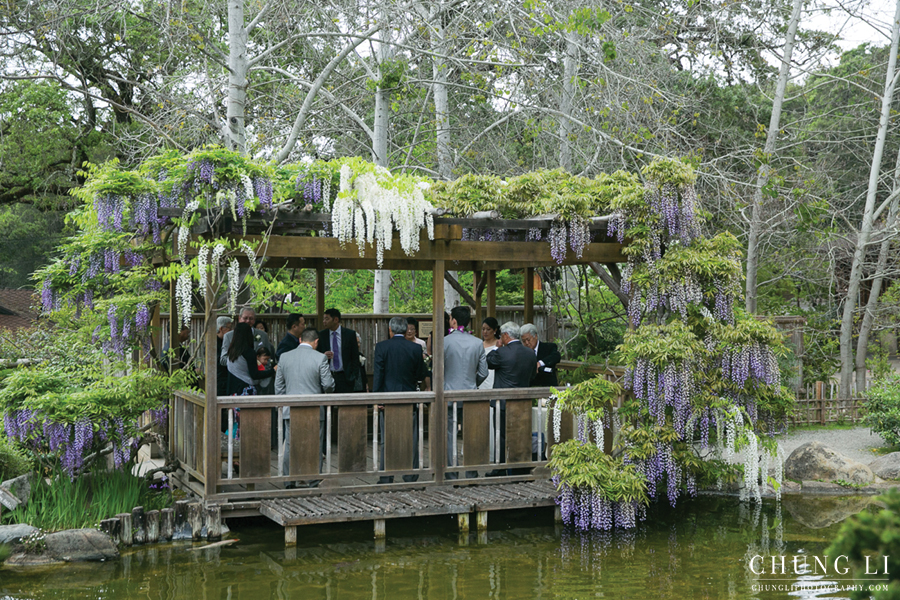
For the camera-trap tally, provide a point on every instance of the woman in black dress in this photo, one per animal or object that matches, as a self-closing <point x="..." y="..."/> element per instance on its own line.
<point x="242" y="369"/>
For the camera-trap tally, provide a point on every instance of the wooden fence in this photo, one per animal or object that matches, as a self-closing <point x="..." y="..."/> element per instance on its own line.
<point x="817" y="404"/>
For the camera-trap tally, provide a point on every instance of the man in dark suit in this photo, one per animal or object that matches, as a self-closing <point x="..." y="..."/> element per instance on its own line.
<point x="342" y="351"/>
<point x="547" y="357"/>
<point x="295" y="326"/>
<point x="399" y="367"/>
<point x="514" y="366"/>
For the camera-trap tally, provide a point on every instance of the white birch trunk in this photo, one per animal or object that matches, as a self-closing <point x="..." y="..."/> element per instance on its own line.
<point x="382" y="288"/>
<point x="762" y="178"/>
<point x="441" y="102"/>
<point x="567" y="102"/>
<point x="238" y="65"/>
<point x="865" y="230"/>
<point x="868" y="322"/>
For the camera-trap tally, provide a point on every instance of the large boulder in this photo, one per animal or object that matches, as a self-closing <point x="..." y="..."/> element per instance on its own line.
<point x="12" y="534"/>
<point x="815" y="460"/>
<point x="76" y="545"/>
<point x="20" y="487"/>
<point x="887" y="467"/>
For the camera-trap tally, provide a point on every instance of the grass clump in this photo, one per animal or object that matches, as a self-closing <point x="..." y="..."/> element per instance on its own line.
<point x="13" y="461"/>
<point x="86" y="500"/>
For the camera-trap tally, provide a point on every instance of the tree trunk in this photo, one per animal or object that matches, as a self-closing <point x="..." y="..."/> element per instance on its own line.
<point x="235" y="134"/>
<point x="868" y="322"/>
<point x="762" y="178"/>
<point x="865" y="231"/>
<point x="567" y="102"/>
<point x="441" y="102"/>
<point x="382" y="292"/>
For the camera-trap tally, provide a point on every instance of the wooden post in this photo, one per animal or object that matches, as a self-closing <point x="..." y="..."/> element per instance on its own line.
<point x="211" y="444"/>
<point x="438" y="414"/>
<point x="139" y="523"/>
<point x="820" y="398"/>
<point x="195" y="518"/>
<point x="320" y="294"/>
<point x="290" y="535"/>
<point x="529" y="295"/>
<point x="557" y="515"/>
<point x="152" y="526"/>
<point x="213" y="522"/>
<point x="125" y="528"/>
<point x="481" y="520"/>
<point x="379" y="525"/>
<point x="492" y="294"/>
<point x="181" y="517"/>
<point x="173" y="316"/>
<point x="463" y="520"/>
<point x="156" y="335"/>
<point x="166" y="524"/>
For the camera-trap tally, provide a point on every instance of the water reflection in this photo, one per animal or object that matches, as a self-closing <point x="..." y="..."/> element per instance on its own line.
<point x="700" y="550"/>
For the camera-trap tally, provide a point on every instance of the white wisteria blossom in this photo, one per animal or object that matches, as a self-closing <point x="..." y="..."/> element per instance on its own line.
<point x="250" y="253"/>
<point x="184" y="231"/>
<point x="202" y="267"/>
<point x="183" y="292"/>
<point x="373" y="203"/>
<point x="234" y="284"/>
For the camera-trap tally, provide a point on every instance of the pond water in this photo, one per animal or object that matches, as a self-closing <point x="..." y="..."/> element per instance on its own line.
<point x="699" y="550"/>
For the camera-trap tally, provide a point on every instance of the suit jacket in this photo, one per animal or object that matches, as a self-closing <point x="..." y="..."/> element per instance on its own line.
<point x="548" y="353"/>
<point x="303" y="371"/>
<point x="263" y="340"/>
<point x="287" y="343"/>
<point x="514" y="365"/>
<point x="398" y="365"/>
<point x="465" y="366"/>
<point x="349" y="350"/>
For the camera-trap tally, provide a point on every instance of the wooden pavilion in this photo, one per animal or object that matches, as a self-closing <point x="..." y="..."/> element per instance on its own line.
<point x="348" y="480"/>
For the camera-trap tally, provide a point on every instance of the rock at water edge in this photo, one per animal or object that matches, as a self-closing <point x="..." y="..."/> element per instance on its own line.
<point x="887" y="467"/>
<point x="11" y="534"/>
<point x="814" y="460"/>
<point x="77" y="545"/>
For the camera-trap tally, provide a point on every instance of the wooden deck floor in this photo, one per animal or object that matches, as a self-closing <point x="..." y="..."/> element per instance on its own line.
<point x="427" y="501"/>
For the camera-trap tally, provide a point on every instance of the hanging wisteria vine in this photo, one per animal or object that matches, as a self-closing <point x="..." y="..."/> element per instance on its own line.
<point x="696" y="366"/>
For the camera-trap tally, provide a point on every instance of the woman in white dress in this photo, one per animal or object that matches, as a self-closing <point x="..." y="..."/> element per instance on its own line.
<point x="490" y="332"/>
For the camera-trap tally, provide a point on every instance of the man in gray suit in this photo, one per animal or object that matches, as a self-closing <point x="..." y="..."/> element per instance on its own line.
<point x="303" y="371"/>
<point x="465" y="368"/>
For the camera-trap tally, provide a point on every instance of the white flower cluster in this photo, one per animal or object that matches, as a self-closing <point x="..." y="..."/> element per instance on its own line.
<point x="202" y="268"/>
<point x="251" y="256"/>
<point x="370" y="206"/>
<point x="557" y="423"/>
<point x="184" y="231"/>
<point x="598" y="432"/>
<point x="183" y="297"/>
<point x="234" y="284"/>
<point x="249" y="192"/>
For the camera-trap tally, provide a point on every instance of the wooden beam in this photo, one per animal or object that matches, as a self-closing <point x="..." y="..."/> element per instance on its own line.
<point x="529" y="294"/>
<point x="521" y="253"/>
<point x="320" y="294"/>
<point x="438" y="414"/>
<point x="459" y="288"/>
<point x="492" y="293"/>
<point x="608" y="277"/>
<point x="479" y="281"/>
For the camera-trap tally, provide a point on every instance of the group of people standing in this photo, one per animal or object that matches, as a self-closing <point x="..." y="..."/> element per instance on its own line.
<point x="329" y="361"/>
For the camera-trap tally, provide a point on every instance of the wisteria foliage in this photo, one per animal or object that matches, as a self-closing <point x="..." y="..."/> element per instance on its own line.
<point x="704" y="377"/>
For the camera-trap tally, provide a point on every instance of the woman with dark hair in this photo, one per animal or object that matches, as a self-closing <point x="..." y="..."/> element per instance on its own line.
<point x="242" y="367"/>
<point x="490" y="333"/>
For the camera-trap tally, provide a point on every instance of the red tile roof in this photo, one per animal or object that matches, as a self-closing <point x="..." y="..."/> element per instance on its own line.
<point x="15" y="308"/>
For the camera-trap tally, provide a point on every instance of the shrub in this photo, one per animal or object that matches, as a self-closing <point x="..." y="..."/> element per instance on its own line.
<point x="883" y="409"/>
<point x="875" y="534"/>
<point x="13" y="461"/>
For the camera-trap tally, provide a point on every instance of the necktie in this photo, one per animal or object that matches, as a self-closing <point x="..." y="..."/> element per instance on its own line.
<point x="336" y="361"/>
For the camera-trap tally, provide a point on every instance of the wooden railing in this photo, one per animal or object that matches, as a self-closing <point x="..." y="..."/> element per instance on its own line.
<point x="359" y="429"/>
<point x="187" y="439"/>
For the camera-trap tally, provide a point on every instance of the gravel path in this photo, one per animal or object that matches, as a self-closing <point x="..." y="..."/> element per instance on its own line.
<point x="856" y="443"/>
